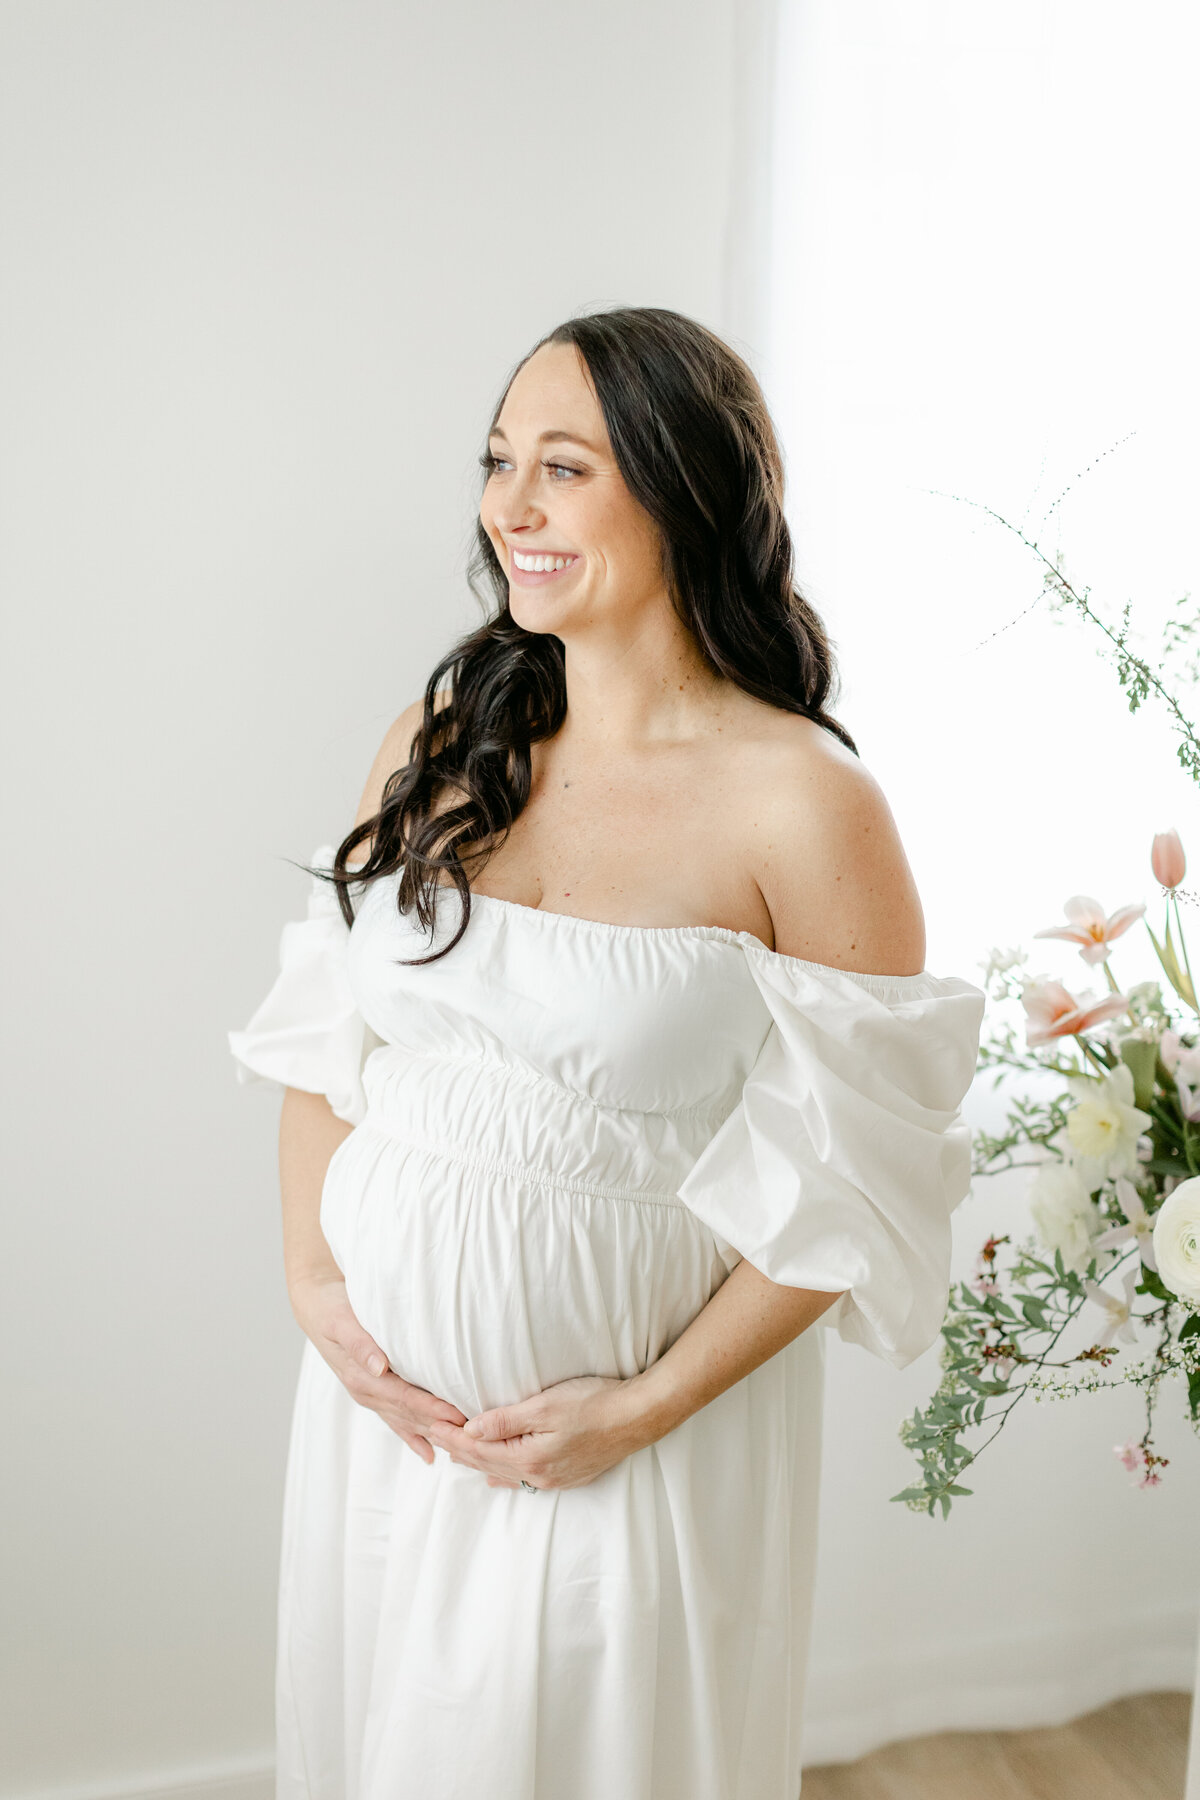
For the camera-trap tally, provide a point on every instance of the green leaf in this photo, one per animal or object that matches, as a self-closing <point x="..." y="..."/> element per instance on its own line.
<point x="1194" y="1393"/>
<point x="1151" y="1284"/>
<point x="952" y="1489"/>
<point x="1190" y="1327"/>
<point x="913" y="1493"/>
<point x="1139" y="1057"/>
<point x="1170" y="962"/>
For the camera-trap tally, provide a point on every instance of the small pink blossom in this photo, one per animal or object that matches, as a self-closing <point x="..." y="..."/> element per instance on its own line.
<point x="1146" y="1464"/>
<point x="1054" y="1012"/>
<point x="1090" y="928"/>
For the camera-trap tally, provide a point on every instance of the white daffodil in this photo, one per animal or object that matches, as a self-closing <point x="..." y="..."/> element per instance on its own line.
<point x="1120" y="1312"/>
<point x="1105" y="1124"/>
<point x="1140" y="1226"/>
<point x="1063" y="1213"/>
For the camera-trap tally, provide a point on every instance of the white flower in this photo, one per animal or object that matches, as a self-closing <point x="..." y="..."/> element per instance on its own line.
<point x="996" y="966"/>
<point x="1177" y="1240"/>
<point x="1140" y="1226"/>
<point x="1106" y="1125"/>
<point x="1063" y="1212"/>
<point x="1120" y="1312"/>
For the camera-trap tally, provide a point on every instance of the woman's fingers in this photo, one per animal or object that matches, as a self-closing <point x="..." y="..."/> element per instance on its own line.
<point x="508" y="1458"/>
<point x="422" y="1446"/>
<point x="343" y="1329"/>
<point x="503" y="1422"/>
<point x="428" y="1407"/>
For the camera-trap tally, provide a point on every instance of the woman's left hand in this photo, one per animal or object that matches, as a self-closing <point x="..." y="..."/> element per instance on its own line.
<point x="563" y="1437"/>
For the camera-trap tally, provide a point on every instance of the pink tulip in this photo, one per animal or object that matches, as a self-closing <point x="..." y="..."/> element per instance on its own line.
<point x="1090" y="928"/>
<point x="1167" y="859"/>
<point x="1053" y="1012"/>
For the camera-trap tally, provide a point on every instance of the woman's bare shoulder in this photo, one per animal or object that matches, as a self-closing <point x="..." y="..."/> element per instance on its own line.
<point x="828" y="855"/>
<point x="393" y="753"/>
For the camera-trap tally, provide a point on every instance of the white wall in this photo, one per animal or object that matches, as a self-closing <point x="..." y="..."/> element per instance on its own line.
<point x="981" y="281"/>
<point x="267" y="264"/>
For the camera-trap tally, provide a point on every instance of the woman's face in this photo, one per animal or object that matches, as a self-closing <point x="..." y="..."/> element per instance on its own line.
<point x="554" y="490"/>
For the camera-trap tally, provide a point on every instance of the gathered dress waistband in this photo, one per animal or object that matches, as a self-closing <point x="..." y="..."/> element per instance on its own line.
<point x="507" y="1116"/>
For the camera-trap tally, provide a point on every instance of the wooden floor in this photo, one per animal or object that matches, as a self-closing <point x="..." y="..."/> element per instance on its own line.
<point x="1135" y="1749"/>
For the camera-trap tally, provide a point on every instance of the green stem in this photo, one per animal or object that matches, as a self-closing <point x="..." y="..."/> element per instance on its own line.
<point x="1183" y="946"/>
<point x="1187" y="1149"/>
<point x="1087" y="1050"/>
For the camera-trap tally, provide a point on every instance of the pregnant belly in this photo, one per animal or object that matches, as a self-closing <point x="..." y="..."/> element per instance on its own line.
<point x="486" y="1284"/>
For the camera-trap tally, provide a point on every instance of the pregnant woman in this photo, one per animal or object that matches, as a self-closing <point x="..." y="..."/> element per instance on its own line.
<point x="612" y="1071"/>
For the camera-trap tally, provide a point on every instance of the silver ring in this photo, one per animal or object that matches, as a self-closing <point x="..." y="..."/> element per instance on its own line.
<point x="528" y="1486"/>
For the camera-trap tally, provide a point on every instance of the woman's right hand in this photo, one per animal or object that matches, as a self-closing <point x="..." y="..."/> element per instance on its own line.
<point x="327" y="1319"/>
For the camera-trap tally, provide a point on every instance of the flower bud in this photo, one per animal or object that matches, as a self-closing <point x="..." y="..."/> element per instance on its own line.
<point x="1167" y="859"/>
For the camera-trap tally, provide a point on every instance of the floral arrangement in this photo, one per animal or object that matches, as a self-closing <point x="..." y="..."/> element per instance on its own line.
<point x="1115" y="1193"/>
<point x="1109" y="1121"/>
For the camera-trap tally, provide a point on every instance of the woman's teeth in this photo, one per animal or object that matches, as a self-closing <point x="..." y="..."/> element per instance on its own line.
<point x="536" y="565"/>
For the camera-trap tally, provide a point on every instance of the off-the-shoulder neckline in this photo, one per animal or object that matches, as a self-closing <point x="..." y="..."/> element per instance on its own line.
<point x="722" y="934"/>
<point x="745" y="941"/>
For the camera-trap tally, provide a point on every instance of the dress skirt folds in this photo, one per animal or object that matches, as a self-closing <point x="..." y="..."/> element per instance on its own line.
<point x="566" y="1134"/>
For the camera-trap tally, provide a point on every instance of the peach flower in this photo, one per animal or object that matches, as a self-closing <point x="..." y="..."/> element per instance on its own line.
<point x="1089" y="926"/>
<point x="1054" y="1012"/>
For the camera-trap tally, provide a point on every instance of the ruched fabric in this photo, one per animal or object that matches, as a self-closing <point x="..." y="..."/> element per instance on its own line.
<point x="567" y="1135"/>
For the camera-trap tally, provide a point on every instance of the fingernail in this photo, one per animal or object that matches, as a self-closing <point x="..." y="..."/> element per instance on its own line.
<point x="376" y="1364"/>
<point x="473" y="1428"/>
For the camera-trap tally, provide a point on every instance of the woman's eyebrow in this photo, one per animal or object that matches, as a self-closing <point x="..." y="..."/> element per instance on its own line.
<point x="551" y="437"/>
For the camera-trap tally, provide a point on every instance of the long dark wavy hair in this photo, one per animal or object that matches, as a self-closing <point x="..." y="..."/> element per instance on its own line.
<point x="694" y="442"/>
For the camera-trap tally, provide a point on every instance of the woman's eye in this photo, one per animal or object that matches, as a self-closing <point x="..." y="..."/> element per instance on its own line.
<point x="492" y="463"/>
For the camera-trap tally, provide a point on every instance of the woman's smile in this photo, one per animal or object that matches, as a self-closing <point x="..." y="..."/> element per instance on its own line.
<point x="530" y="568"/>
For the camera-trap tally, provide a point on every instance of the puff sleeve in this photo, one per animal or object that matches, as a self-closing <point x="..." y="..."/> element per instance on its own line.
<point x="308" y="1032"/>
<point x="839" y="1167"/>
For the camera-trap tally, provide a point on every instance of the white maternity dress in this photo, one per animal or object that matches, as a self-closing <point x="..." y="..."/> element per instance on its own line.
<point x="566" y="1135"/>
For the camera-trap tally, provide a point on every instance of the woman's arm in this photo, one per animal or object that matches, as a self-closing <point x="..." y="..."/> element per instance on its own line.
<point x="309" y="1133"/>
<point x="748" y="1320"/>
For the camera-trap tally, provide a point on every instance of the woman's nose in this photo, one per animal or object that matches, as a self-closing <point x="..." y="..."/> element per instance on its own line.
<point x="518" y="503"/>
